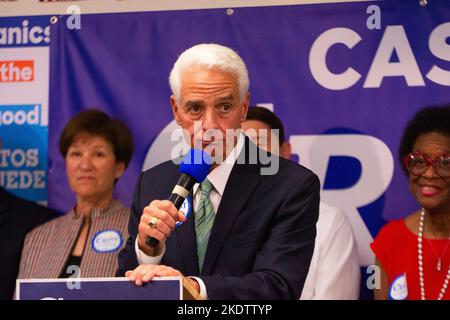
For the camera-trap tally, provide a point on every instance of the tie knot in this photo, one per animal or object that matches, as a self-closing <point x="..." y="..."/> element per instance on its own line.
<point x="206" y="187"/>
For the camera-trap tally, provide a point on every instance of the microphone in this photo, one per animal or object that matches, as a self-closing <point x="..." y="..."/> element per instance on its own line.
<point x="194" y="168"/>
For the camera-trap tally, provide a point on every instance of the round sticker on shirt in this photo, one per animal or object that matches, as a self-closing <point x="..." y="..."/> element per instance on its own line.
<point x="398" y="289"/>
<point x="186" y="208"/>
<point x="107" y="241"/>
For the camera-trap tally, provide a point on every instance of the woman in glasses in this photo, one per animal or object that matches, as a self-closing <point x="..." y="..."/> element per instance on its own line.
<point x="413" y="254"/>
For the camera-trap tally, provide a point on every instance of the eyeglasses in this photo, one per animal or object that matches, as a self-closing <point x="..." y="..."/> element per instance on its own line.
<point x="417" y="163"/>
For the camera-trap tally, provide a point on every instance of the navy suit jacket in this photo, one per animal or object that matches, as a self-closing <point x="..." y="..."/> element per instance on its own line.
<point x="263" y="235"/>
<point x="17" y="218"/>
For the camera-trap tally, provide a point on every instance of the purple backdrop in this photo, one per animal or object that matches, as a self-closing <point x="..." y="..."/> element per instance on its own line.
<point x="120" y="63"/>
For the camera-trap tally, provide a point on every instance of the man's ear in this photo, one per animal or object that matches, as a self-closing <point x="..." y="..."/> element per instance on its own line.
<point x="175" y="109"/>
<point x="285" y="150"/>
<point x="245" y="105"/>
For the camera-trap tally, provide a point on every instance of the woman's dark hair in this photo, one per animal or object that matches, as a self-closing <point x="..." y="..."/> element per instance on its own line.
<point x="269" y="118"/>
<point x="426" y="120"/>
<point x="96" y="122"/>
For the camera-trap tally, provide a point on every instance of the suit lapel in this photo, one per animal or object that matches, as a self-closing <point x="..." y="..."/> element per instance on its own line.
<point x="184" y="235"/>
<point x="242" y="181"/>
<point x="187" y="243"/>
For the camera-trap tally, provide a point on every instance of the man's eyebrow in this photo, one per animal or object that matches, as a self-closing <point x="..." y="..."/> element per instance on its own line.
<point x="230" y="97"/>
<point x="191" y="103"/>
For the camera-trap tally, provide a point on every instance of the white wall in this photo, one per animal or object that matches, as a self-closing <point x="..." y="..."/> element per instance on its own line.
<point x="33" y="7"/>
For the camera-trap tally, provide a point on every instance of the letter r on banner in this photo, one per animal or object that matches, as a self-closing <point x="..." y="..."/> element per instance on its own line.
<point x="377" y="169"/>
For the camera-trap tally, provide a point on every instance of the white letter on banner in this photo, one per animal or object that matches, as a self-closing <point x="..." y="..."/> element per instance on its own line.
<point x="377" y="168"/>
<point x="73" y="282"/>
<point x="374" y="20"/>
<point x="36" y="35"/>
<point x="74" y="20"/>
<point x="373" y="281"/>
<point x="32" y="158"/>
<point x="318" y="59"/>
<point x="169" y="144"/>
<point x="394" y="38"/>
<point x="440" y="49"/>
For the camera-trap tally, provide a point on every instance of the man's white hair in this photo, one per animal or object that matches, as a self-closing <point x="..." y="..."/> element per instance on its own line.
<point x="211" y="56"/>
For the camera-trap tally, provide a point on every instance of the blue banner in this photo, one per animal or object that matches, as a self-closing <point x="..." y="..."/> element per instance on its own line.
<point x="31" y="31"/>
<point x="344" y="78"/>
<point x="24" y="85"/>
<point x="23" y="162"/>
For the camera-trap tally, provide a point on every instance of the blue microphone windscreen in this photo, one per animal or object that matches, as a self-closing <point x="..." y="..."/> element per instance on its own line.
<point x="197" y="164"/>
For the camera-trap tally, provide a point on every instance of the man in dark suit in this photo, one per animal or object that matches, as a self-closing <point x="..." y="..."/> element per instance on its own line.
<point x="17" y="218"/>
<point x="252" y="232"/>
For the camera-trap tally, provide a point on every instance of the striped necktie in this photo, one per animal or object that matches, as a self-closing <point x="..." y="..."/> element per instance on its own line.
<point x="204" y="219"/>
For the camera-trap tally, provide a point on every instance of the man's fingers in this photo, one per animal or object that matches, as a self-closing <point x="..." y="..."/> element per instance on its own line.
<point x="160" y="226"/>
<point x="167" y="206"/>
<point x="144" y="270"/>
<point x="148" y="276"/>
<point x="131" y="274"/>
<point x="165" y="219"/>
<point x="169" y="272"/>
<point x="162" y="214"/>
<point x="141" y="274"/>
<point x="145" y="273"/>
<point x="181" y="216"/>
<point x="157" y="234"/>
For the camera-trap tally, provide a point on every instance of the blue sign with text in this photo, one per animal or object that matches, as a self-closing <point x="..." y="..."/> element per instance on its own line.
<point x="166" y="288"/>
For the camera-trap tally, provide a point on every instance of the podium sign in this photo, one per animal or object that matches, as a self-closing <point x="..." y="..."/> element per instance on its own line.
<point x="163" y="288"/>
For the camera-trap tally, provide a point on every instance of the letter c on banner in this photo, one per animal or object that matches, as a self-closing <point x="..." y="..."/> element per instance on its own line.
<point x="318" y="59"/>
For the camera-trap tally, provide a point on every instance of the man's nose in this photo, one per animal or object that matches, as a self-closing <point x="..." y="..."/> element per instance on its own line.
<point x="209" y="120"/>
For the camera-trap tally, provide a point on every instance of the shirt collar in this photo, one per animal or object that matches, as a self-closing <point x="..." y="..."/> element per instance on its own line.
<point x="219" y="176"/>
<point x="96" y="212"/>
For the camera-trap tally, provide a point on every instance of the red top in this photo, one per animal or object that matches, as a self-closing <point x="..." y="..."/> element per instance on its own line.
<point x="396" y="249"/>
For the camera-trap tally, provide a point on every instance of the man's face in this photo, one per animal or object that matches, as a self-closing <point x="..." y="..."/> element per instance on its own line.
<point x="264" y="137"/>
<point x="260" y="134"/>
<point x="210" y="105"/>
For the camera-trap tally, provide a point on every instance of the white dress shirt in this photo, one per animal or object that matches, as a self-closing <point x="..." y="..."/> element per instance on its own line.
<point x="218" y="178"/>
<point x="334" y="272"/>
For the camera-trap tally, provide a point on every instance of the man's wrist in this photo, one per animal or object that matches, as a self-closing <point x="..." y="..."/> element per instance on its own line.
<point x="203" y="294"/>
<point x="149" y="251"/>
<point x="194" y="284"/>
<point x="191" y="289"/>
